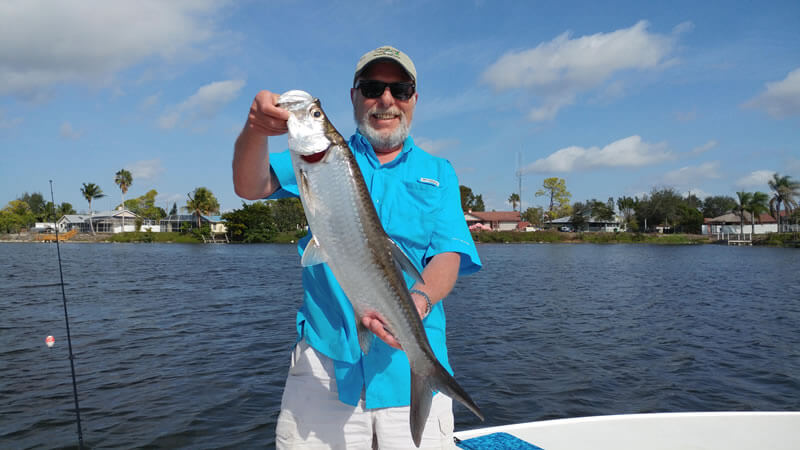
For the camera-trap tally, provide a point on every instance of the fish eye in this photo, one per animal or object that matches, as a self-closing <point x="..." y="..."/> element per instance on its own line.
<point x="316" y="113"/>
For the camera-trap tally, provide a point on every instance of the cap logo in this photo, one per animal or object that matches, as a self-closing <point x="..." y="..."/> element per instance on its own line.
<point x="387" y="51"/>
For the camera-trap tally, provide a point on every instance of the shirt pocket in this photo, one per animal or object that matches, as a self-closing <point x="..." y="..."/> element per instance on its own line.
<point x="416" y="209"/>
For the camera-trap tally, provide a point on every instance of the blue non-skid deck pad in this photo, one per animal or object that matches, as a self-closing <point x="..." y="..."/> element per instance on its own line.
<point x="497" y="441"/>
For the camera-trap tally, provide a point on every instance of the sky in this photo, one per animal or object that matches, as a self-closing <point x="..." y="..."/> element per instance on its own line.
<point x="616" y="98"/>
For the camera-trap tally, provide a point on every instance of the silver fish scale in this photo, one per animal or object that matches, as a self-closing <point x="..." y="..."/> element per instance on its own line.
<point x="333" y="202"/>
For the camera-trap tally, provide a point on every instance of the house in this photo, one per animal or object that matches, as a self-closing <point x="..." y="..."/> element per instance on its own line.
<point x="731" y="223"/>
<point x="101" y="221"/>
<point x="493" y="220"/>
<point x="591" y="224"/>
<point x="178" y="222"/>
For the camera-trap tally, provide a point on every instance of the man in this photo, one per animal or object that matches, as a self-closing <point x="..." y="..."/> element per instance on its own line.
<point x="335" y="396"/>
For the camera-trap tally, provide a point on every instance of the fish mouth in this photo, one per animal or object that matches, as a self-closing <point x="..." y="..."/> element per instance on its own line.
<point x="295" y="100"/>
<point x="314" y="157"/>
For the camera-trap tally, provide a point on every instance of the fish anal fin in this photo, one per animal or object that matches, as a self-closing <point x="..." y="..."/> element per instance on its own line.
<point x="313" y="254"/>
<point x="402" y="261"/>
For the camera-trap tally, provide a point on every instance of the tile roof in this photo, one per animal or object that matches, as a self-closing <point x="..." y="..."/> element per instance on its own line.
<point x="497" y="216"/>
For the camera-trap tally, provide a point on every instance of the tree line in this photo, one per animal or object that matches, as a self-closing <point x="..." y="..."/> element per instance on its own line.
<point x="660" y="207"/>
<point x="261" y="221"/>
<point x="23" y="212"/>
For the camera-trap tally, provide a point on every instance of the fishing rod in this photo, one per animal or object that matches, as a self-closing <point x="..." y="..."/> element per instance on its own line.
<point x="66" y="320"/>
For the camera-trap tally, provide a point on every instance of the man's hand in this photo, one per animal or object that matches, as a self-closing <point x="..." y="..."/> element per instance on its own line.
<point x="265" y="117"/>
<point x="374" y="322"/>
<point x="251" y="173"/>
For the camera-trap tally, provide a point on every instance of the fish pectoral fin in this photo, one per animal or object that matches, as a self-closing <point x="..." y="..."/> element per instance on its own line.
<point x="421" y="397"/>
<point x="313" y="254"/>
<point x="364" y="337"/>
<point x="405" y="264"/>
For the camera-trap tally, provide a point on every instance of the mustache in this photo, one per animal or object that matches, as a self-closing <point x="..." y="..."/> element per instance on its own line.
<point x="390" y="110"/>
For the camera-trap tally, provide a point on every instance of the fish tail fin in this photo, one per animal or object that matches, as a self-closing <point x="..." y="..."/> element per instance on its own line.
<point x="422" y="394"/>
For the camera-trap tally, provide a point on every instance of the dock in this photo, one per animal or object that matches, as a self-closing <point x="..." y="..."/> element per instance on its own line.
<point x="736" y="238"/>
<point x="51" y="237"/>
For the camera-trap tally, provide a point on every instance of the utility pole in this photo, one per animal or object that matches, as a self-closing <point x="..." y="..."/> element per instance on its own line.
<point x="519" y="180"/>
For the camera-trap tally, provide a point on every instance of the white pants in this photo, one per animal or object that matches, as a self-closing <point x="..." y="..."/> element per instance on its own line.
<point x="312" y="417"/>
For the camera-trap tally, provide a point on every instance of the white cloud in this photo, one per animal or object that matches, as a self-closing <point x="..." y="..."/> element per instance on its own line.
<point x="757" y="178"/>
<point x="631" y="151"/>
<point x="781" y="98"/>
<point x="43" y="43"/>
<point x="692" y="175"/>
<point x="67" y="132"/>
<point x="697" y="192"/>
<point x="203" y="104"/>
<point x="561" y="69"/>
<point x="705" y="147"/>
<point x="435" y="145"/>
<point x="146" y="169"/>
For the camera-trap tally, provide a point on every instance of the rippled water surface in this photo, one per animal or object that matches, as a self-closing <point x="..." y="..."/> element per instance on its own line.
<point x="188" y="345"/>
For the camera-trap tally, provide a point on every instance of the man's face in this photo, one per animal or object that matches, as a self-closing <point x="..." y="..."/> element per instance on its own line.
<point x="384" y="121"/>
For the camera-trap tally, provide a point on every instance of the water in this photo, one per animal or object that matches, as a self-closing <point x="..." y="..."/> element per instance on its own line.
<point x="188" y="345"/>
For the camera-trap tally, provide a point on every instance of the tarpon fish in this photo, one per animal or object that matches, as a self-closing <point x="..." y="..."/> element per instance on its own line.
<point x="349" y="237"/>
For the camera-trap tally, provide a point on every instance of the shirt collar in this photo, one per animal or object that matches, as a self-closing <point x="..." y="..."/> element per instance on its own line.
<point x="359" y="143"/>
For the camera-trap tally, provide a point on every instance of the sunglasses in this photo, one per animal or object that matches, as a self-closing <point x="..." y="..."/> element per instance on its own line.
<point x="373" y="89"/>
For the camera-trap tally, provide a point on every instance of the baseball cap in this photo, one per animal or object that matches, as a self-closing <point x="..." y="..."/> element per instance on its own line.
<point x="387" y="53"/>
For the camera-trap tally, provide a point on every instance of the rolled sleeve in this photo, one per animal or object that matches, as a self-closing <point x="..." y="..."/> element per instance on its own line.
<point x="450" y="233"/>
<point x="281" y="166"/>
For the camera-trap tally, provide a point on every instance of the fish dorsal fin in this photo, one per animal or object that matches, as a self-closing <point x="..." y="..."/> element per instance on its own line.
<point x="402" y="261"/>
<point x="313" y="254"/>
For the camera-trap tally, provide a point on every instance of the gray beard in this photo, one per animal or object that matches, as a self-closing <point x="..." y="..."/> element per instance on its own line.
<point x="378" y="140"/>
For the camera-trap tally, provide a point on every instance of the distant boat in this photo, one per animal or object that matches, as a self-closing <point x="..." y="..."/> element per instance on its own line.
<point x="696" y="431"/>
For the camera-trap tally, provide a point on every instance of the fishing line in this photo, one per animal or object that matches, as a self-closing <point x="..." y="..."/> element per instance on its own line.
<point x="66" y="320"/>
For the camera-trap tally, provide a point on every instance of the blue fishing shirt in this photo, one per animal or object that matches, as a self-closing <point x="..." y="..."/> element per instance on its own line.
<point x="418" y="201"/>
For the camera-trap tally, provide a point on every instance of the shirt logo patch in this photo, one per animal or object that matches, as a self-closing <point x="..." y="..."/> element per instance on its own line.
<point x="430" y="181"/>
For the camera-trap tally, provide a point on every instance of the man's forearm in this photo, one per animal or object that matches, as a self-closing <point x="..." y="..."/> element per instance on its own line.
<point x="440" y="276"/>
<point x="251" y="174"/>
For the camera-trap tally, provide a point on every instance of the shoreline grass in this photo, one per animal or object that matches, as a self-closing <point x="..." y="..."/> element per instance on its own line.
<point x="541" y="237"/>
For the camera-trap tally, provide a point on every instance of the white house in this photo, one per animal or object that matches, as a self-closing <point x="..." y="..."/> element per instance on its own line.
<point x="102" y="222"/>
<point x="731" y="223"/>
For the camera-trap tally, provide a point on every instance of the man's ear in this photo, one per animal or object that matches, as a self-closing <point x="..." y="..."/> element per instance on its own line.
<point x="353" y="96"/>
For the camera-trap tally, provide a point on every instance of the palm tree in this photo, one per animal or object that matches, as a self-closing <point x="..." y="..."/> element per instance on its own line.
<point x="514" y="200"/>
<point x="744" y="199"/>
<point x="203" y="202"/>
<point x="90" y="192"/>
<point x="785" y="190"/>
<point x="124" y="180"/>
<point x="756" y="206"/>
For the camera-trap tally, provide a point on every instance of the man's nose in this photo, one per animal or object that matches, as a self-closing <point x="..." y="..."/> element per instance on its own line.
<point x="386" y="98"/>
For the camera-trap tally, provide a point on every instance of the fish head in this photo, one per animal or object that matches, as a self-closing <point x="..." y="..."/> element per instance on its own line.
<point x="307" y="123"/>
